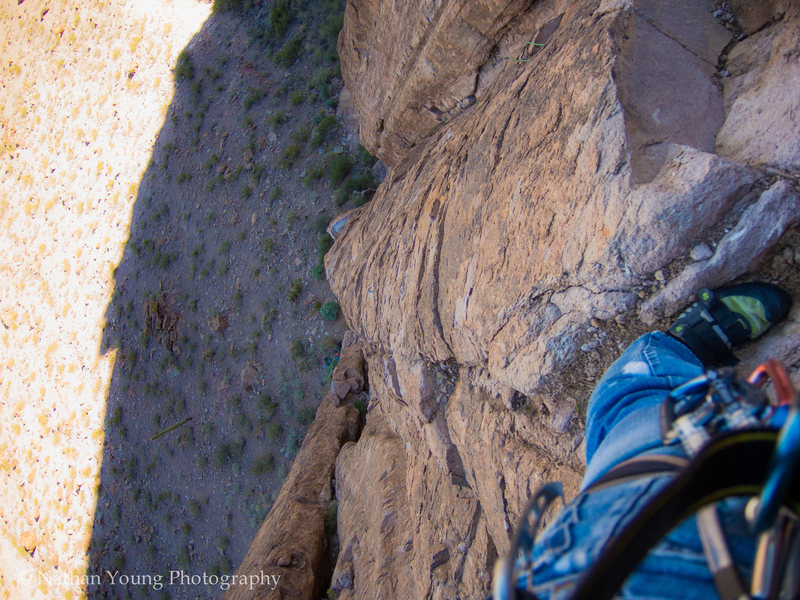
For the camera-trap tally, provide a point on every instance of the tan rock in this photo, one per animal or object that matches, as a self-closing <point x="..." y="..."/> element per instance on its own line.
<point x="419" y="64"/>
<point x="348" y="376"/>
<point x="292" y="542"/>
<point x="475" y="265"/>
<point x="754" y="14"/>
<point x="762" y="97"/>
<point x="490" y="273"/>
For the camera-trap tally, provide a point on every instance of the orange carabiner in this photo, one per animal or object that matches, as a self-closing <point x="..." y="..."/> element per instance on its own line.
<point x="775" y="372"/>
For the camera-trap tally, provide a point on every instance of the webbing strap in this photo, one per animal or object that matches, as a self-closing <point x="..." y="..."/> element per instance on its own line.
<point x="735" y="464"/>
<point x="639" y="466"/>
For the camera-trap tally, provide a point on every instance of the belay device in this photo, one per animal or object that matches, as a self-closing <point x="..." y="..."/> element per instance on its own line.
<point x="729" y="430"/>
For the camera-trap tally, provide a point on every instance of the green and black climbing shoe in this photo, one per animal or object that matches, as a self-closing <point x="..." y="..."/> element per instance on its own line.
<point x="724" y="319"/>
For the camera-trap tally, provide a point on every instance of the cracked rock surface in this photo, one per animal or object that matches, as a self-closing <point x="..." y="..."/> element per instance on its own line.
<point x="521" y="240"/>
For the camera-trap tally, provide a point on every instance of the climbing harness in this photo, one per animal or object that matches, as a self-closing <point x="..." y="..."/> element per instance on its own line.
<point x="729" y="430"/>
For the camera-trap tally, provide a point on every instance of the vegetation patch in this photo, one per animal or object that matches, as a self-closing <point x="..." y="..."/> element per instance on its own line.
<point x="279" y="17"/>
<point x="329" y="311"/>
<point x="352" y="188"/>
<point x="184" y="67"/>
<point x="286" y="56"/>
<point x="339" y="168"/>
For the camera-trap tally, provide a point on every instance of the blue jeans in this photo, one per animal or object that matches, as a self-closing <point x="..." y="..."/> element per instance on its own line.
<point x="622" y="422"/>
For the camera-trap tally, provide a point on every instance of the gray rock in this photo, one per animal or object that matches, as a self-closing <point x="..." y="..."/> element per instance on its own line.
<point x="701" y="252"/>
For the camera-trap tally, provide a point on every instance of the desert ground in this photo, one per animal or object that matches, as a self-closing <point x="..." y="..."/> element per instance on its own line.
<point x="168" y="169"/>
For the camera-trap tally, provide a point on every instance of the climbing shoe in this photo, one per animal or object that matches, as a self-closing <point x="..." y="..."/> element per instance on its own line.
<point x="724" y="319"/>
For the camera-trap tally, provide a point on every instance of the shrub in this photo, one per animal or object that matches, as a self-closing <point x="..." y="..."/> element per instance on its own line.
<point x="300" y="135"/>
<point x="221" y="6"/>
<point x="290" y="155"/>
<point x="298" y="349"/>
<point x="365" y="157"/>
<point x="306" y="415"/>
<point x="279" y="17"/>
<point x="332" y="26"/>
<point x="274" y="432"/>
<point x="253" y="96"/>
<point x="324" y="243"/>
<point x="267" y="405"/>
<point x="277" y="118"/>
<point x="323" y="128"/>
<point x="339" y="168"/>
<point x="289" y="52"/>
<point x="361" y="182"/>
<point x="184" y="68"/>
<point x="292" y="444"/>
<point x="320" y="82"/>
<point x="262" y="465"/>
<point x="293" y="293"/>
<point x="116" y="417"/>
<point x="329" y="311"/>
<point x="313" y="172"/>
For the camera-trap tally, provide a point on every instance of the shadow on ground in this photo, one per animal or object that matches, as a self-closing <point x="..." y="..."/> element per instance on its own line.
<point x="222" y="354"/>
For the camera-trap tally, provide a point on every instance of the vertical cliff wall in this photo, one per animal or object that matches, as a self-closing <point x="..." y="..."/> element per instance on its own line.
<point x="564" y="175"/>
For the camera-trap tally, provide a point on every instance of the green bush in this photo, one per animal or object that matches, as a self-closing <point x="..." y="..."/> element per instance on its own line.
<point x="291" y="444"/>
<point x="293" y="293"/>
<point x="306" y="415"/>
<point x="274" y="432"/>
<point x="290" y="155"/>
<point x="323" y="128"/>
<point x="279" y="17"/>
<point x="264" y="464"/>
<point x="184" y="68"/>
<point x="324" y="243"/>
<point x="298" y="349"/>
<point x="329" y="311"/>
<point x="277" y="118"/>
<point x="339" y="168"/>
<point x="300" y="135"/>
<point x="332" y="26"/>
<point x="320" y="81"/>
<point x="253" y="96"/>
<point x="321" y="223"/>
<point x="289" y="52"/>
<point x="365" y="157"/>
<point x="221" y="6"/>
<point x="358" y="183"/>
<point x="313" y="172"/>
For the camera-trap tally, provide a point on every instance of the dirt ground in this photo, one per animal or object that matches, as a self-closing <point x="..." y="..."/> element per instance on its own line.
<point x="162" y="349"/>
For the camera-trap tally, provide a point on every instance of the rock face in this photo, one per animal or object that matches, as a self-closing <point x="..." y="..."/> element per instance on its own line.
<point x="553" y="166"/>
